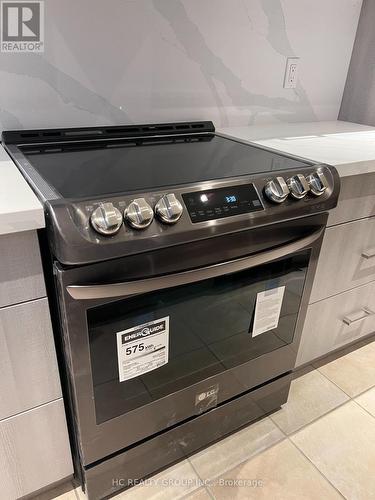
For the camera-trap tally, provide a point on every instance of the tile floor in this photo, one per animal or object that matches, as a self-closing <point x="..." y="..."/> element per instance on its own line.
<point x="321" y="444"/>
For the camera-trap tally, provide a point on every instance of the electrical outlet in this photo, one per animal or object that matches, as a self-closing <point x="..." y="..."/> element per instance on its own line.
<point x="291" y="73"/>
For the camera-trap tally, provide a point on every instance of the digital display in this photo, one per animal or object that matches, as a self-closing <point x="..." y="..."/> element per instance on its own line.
<point x="222" y="202"/>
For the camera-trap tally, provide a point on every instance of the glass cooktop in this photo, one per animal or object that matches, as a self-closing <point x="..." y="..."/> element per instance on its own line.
<point x="89" y="169"/>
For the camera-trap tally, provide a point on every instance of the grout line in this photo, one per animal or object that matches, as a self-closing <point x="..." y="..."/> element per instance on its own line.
<point x="189" y="493"/>
<point x="334" y="383"/>
<point x="241" y="462"/>
<point x="341" y="389"/>
<point x="208" y="489"/>
<point x="198" y="476"/>
<point x="210" y="494"/>
<point x="363" y="408"/>
<point x="315" y="467"/>
<point x="318" y="418"/>
<point x="363" y="392"/>
<point x="315" y="419"/>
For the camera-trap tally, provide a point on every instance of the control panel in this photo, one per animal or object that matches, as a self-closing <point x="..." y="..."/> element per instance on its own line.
<point x="222" y="202"/>
<point x="214" y="203"/>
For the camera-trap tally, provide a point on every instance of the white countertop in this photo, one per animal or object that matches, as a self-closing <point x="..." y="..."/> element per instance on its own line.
<point x="348" y="146"/>
<point x="20" y="209"/>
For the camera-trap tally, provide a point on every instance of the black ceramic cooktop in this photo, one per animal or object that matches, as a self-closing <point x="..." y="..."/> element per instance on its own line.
<point x="89" y="169"/>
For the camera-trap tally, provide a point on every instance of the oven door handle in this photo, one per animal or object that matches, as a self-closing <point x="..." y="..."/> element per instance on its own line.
<point x="136" y="287"/>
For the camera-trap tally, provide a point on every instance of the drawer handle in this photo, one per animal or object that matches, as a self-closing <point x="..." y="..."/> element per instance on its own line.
<point x="369" y="254"/>
<point x="355" y="317"/>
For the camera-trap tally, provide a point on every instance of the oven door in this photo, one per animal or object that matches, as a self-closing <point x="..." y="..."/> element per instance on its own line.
<point x="156" y="339"/>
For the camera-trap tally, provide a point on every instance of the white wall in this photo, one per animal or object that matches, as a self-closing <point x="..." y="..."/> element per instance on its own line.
<point x="128" y="61"/>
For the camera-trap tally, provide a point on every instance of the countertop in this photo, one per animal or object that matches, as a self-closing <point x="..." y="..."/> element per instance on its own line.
<point x="349" y="147"/>
<point x="20" y="209"/>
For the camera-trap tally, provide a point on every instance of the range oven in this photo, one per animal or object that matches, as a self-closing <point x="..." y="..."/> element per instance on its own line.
<point x="179" y="266"/>
<point x="157" y="341"/>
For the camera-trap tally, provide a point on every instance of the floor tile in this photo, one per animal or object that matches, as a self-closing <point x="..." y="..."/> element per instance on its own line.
<point x="64" y="491"/>
<point x="174" y="483"/>
<point x="311" y="396"/>
<point x="281" y="472"/>
<point x="367" y="400"/>
<point x="236" y="448"/>
<point x="201" y="494"/>
<point x="342" y="446"/>
<point x="353" y="373"/>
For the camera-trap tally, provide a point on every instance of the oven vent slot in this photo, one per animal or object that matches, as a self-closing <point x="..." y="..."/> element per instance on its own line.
<point x="28" y="135"/>
<point x="115" y="132"/>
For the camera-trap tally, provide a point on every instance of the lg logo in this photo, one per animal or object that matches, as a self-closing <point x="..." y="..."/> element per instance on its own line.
<point x="22" y="26"/>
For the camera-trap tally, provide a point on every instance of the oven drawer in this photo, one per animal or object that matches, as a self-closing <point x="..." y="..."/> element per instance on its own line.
<point x="34" y="450"/>
<point x="28" y="372"/>
<point x="334" y="322"/>
<point x="185" y="439"/>
<point x="21" y="274"/>
<point x="347" y="259"/>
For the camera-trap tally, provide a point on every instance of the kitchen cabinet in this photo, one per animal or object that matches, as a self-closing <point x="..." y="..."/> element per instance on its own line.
<point x="344" y="284"/>
<point x="34" y="450"/>
<point x="34" y="442"/>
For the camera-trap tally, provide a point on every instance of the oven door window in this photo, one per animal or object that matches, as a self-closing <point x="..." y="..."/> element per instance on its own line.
<point x="211" y="329"/>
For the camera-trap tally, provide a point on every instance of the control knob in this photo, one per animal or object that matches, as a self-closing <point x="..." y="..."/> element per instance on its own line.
<point x="169" y="209"/>
<point x="317" y="182"/>
<point x="298" y="186"/>
<point x="106" y="219"/>
<point x="139" y="214"/>
<point x="276" y="190"/>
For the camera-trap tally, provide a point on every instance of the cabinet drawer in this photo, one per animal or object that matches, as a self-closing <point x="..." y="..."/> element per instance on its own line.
<point x="334" y="322"/>
<point x="347" y="258"/>
<point x="356" y="200"/>
<point x="21" y="275"/>
<point x="34" y="450"/>
<point x="28" y="370"/>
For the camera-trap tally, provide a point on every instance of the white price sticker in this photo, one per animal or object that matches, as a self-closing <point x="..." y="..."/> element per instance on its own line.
<point x="142" y="348"/>
<point x="267" y="310"/>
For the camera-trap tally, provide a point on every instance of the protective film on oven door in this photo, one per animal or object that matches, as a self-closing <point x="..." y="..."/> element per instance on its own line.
<point x="148" y="346"/>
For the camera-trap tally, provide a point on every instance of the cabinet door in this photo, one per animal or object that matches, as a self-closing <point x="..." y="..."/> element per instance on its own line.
<point x="334" y="322"/>
<point x="34" y="450"/>
<point x="347" y="259"/>
<point x="28" y="370"/>
<point x="21" y="275"/>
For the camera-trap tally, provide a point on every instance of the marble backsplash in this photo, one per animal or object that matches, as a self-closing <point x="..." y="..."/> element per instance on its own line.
<point x="141" y="61"/>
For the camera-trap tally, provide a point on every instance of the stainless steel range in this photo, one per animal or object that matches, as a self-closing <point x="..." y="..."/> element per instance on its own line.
<point x="180" y="268"/>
